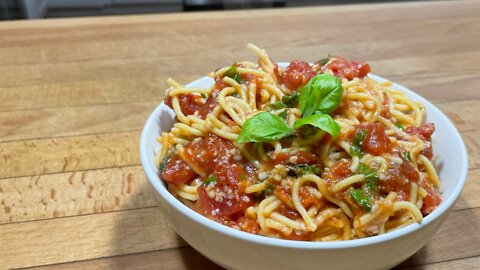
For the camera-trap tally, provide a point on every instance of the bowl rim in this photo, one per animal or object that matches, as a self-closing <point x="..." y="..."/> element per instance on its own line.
<point x="151" y="173"/>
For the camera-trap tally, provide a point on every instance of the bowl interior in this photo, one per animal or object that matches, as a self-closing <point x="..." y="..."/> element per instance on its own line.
<point x="450" y="161"/>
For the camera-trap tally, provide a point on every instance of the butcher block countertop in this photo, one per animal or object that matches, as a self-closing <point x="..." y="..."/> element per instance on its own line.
<point x="75" y="93"/>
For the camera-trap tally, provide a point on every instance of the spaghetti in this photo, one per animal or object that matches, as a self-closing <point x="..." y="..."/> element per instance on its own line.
<point x="306" y="152"/>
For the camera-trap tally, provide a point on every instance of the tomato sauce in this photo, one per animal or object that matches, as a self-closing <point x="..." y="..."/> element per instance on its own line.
<point x="297" y="74"/>
<point x="337" y="171"/>
<point x="349" y="70"/>
<point x="376" y="142"/>
<point x="216" y="156"/>
<point x="300" y="157"/>
<point x="176" y="171"/>
<point x="425" y="133"/>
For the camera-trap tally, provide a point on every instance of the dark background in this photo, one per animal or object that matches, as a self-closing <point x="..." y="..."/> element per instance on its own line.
<point x="34" y="9"/>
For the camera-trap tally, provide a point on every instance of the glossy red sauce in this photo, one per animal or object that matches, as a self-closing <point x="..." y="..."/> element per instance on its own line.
<point x="302" y="157"/>
<point x="349" y="70"/>
<point x="337" y="171"/>
<point x="431" y="201"/>
<point x="425" y="133"/>
<point x="376" y="142"/>
<point x="176" y="171"/>
<point x="297" y="74"/>
<point x="215" y="156"/>
<point x="209" y="105"/>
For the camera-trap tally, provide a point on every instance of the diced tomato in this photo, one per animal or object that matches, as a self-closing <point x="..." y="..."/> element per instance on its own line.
<point x="376" y="142"/>
<point x="176" y="171"/>
<point x="189" y="103"/>
<point x="424" y="132"/>
<point x="298" y="74"/>
<point x="302" y="157"/>
<point x="247" y="224"/>
<point x="349" y="70"/>
<point x="337" y="171"/>
<point x="427" y="150"/>
<point x="395" y="182"/>
<point x="210" y="104"/>
<point x="215" y="156"/>
<point x="431" y="201"/>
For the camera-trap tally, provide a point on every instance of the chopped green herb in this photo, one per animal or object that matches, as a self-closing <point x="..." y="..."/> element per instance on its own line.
<point x="166" y="158"/>
<point x="278" y="105"/>
<point x="291" y="100"/>
<point x="301" y="169"/>
<point x="203" y="95"/>
<point x="210" y="179"/>
<point x="323" y="61"/>
<point x="400" y="126"/>
<point x="371" y="178"/>
<point x="235" y="94"/>
<point x="406" y="155"/>
<point x="268" y="189"/>
<point x="283" y="114"/>
<point x="361" y="199"/>
<point x="232" y="73"/>
<point x="356" y="147"/>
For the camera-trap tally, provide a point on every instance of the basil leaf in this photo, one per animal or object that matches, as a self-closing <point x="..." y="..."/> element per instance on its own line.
<point x="361" y="199"/>
<point x="165" y="159"/>
<point x="278" y="105"/>
<point x="356" y="147"/>
<point x="371" y="177"/>
<point x="268" y="189"/>
<point x="203" y="95"/>
<point x="232" y="73"/>
<point x="322" y="121"/>
<point x="283" y="114"/>
<point x="406" y="155"/>
<point x="291" y="100"/>
<point x="400" y="126"/>
<point x="264" y="127"/>
<point x="210" y="179"/>
<point x="322" y="93"/>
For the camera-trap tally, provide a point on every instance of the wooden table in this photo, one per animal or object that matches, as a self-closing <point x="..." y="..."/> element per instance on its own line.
<point x="75" y="93"/>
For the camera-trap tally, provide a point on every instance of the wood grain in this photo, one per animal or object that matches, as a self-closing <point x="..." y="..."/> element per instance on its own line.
<point x="75" y="93"/>
<point x="74" y="193"/>
<point x="182" y="258"/>
<point x="84" y="237"/>
<point x="66" y="154"/>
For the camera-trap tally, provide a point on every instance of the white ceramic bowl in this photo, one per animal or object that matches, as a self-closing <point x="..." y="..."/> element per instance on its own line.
<point x="234" y="249"/>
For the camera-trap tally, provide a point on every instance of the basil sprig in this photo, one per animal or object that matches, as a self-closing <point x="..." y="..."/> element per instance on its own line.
<point x="322" y="121"/>
<point x="264" y="127"/>
<point x="322" y="93"/>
